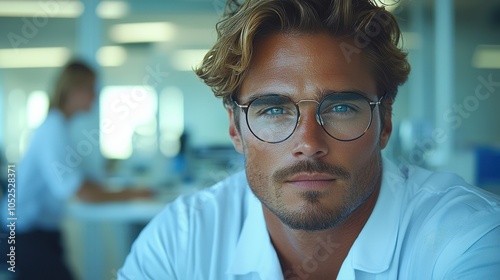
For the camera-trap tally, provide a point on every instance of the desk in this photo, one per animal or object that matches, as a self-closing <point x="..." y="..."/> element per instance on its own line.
<point x="124" y="217"/>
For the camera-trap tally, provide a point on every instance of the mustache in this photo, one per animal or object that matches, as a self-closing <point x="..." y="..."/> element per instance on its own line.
<point x="310" y="167"/>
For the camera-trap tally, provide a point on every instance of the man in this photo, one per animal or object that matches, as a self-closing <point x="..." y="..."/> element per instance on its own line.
<point x="309" y="105"/>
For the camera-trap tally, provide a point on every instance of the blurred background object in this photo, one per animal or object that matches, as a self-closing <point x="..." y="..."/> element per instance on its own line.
<point x="156" y="123"/>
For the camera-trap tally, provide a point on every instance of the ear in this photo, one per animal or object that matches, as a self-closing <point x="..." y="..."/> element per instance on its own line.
<point x="234" y="133"/>
<point x="385" y="134"/>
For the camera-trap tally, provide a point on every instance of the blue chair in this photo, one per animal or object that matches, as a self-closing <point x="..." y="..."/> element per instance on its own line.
<point x="487" y="166"/>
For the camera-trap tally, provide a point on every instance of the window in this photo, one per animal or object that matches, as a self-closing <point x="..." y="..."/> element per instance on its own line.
<point x="128" y="120"/>
<point x="171" y="120"/>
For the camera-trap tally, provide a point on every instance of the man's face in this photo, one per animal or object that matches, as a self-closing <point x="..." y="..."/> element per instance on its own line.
<point x="310" y="181"/>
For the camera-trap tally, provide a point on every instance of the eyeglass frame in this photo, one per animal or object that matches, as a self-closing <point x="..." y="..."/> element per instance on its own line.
<point x="319" y="119"/>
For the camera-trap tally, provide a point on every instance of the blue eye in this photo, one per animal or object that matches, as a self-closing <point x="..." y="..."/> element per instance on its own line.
<point x="341" y="108"/>
<point x="274" y="111"/>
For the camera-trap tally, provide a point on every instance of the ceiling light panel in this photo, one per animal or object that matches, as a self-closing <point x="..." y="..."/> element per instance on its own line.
<point x="50" y="9"/>
<point x="142" y="32"/>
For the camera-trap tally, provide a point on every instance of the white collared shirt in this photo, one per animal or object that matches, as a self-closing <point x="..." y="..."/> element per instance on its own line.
<point x="424" y="225"/>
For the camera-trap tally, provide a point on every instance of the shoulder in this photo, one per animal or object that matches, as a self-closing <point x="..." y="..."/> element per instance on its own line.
<point x="54" y="124"/>
<point x="229" y="191"/>
<point x="423" y="193"/>
<point x="54" y="119"/>
<point x="191" y="228"/>
<point x="445" y="199"/>
<point x="209" y="207"/>
<point x="52" y="135"/>
<point x="445" y="222"/>
<point x="449" y="193"/>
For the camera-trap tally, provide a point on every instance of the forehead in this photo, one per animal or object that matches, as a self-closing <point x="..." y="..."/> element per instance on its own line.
<point x="304" y="65"/>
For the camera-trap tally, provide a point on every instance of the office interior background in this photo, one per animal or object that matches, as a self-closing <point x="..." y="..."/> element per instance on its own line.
<point x="156" y="124"/>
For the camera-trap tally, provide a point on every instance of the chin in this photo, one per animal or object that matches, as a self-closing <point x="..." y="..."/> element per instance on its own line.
<point x="313" y="218"/>
<point x="317" y="210"/>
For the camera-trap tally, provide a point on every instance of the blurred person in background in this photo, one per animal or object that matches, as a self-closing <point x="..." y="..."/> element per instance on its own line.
<point x="45" y="182"/>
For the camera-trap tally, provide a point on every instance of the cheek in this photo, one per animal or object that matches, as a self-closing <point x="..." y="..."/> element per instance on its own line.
<point x="362" y="151"/>
<point x="256" y="151"/>
<point x="259" y="156"/>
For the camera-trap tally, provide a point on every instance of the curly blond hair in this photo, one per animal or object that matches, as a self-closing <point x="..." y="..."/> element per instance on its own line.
<point x="374" y="30"/>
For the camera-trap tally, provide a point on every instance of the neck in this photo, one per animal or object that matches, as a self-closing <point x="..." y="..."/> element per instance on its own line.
<point x="319" y="254"/>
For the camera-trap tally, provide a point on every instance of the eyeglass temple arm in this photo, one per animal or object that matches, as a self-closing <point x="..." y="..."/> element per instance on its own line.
<point x="375" y="103"/>
<point x="244" y="107"/>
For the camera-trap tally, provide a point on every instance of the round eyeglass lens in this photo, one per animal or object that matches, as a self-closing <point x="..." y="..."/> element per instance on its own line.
<point x="272" y="118"/>
<point x="345" y="116"/>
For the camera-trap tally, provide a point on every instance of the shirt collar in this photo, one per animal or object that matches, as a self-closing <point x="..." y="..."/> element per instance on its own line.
<point x="374" y="248"/>
<point x="254" y="251"/>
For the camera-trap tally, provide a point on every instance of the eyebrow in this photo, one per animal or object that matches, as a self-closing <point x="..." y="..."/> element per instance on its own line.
<point x="318" y="94"/>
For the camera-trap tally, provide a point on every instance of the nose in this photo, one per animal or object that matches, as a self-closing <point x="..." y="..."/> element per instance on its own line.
<point x="309" y="139"/>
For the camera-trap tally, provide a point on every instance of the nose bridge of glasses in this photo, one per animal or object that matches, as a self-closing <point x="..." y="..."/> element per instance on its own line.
<point x="307" y="100"/>
<point x="316" y="108"/>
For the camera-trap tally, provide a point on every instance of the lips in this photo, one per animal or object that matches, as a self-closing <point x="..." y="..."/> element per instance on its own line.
<point x="312" y="181"/>
<point x="311" y="177"/>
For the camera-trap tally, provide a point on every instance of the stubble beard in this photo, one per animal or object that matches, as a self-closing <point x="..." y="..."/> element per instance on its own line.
<point x="313" y="215"/>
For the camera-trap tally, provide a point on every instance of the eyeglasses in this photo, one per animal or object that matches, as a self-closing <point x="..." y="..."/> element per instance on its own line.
<point x="345" y="116"/>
